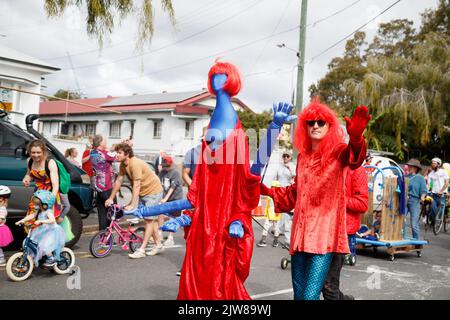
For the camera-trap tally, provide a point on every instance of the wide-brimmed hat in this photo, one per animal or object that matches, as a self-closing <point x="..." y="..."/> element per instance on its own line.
<point x="414" y="163"/>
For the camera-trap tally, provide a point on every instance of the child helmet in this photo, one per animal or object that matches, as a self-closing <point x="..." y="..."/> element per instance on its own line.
<point x="46" y="197"/>
<point x="5" y="191"/>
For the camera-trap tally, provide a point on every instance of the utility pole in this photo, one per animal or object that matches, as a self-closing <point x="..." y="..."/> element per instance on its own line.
<point x="301" y="56"/>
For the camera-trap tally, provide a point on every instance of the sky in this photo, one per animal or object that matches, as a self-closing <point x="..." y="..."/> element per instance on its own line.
<point x="243" y="32"/>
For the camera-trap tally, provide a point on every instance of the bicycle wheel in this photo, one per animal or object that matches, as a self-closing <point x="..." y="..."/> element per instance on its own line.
<point x="99" y="246"/>
<point x="438" y="221"/>
<point x="66" y="263"/>
<point x="124" y="195"/>
<point x="447" y="220"/>
<point x="135" y="242"/>
<point x="17" y="269"/>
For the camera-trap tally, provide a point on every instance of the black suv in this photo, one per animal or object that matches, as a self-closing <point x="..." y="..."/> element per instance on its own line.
<point x="13" y="155"/>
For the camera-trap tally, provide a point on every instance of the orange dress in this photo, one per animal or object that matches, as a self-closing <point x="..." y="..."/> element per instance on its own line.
<point x="43" y="182"/>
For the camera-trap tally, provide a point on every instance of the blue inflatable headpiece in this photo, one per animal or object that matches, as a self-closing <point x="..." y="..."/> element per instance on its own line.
<point x="46" y="197"/>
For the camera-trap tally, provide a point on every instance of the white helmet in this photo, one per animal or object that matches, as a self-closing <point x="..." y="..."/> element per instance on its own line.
<point x="437" y="160"/>
<point x="5" y="191"/>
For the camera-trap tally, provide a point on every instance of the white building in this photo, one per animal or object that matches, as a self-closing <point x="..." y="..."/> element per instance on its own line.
<point x="172" y="122"/>
<point x="20" y="71"/>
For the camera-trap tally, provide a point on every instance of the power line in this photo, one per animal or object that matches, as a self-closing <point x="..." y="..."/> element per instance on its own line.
<point x="222" y="52"/>
<point x="201" y="32"/>
<point x="178" y="23"/>
<point x="345" y="38"/>
<point x="171" y="44"/>
<point x="198" y="60"/>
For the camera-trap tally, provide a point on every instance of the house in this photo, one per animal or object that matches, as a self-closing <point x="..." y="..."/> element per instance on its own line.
<point x="172" y="122"/>
<point x="20" y="71"/>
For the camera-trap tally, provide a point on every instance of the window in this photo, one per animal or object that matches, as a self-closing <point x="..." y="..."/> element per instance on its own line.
<point x="46" y="128"/>
<point x="157" y="125"/>
<point x="10" y="141"/>
<point x="189" y="130"/>
<point x="114" y="129"/>
<point x="90" y="129"/>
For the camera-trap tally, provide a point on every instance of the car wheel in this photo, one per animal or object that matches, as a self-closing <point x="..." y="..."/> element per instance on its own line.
<point x="77" y="226"/>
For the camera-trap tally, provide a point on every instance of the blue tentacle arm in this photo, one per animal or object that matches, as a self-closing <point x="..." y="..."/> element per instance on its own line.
<point x="280" y="116"/>
<point x="165" y="208"/>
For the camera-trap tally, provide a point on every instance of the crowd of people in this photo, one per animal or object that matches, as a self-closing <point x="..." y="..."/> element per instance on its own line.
<point x="316" y="205"/>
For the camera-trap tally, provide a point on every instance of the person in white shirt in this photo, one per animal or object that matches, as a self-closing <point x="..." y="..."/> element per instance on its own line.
<point x="437" y="184"/>
<point x="285" y="174"/>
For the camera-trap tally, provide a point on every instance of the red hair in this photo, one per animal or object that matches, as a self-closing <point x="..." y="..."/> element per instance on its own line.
<point x="233" y="84"/>
<point x="318" y="111"/>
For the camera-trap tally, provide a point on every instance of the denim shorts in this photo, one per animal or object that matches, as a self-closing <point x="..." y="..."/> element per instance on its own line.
<point x="150" y="201"/>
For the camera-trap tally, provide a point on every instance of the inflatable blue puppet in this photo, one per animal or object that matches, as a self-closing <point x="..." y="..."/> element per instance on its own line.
<point x="223" y="193"/>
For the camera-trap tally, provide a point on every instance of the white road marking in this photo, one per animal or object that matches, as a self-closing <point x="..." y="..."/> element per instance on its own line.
<point x="269" y="294"/>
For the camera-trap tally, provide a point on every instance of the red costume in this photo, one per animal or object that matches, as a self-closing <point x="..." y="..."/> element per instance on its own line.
<point x="223" y="190"/>
<point x="318" y="194"/>
<point x="357" y="197"/>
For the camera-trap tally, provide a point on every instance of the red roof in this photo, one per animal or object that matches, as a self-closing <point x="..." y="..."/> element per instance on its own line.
<point x="59" y="107"/>
<point x="181" y="107"/>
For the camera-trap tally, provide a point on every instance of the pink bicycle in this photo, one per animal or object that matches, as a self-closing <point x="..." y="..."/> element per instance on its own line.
<point x="102" y="243"/>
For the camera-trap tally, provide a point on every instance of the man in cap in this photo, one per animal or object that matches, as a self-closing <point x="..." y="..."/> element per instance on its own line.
<point x="417" y="190"/>
<point x="437" y="184"/>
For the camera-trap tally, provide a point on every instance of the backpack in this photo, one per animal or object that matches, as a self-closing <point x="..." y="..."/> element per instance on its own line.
<point x="64" y="176"/>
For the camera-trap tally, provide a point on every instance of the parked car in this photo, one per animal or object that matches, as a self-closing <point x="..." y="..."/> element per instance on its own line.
<point x="381" y="162"/>
<point x="13" y="156"/>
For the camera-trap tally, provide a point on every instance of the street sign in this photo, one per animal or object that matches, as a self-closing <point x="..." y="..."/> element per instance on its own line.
<point x="6" y="99"/>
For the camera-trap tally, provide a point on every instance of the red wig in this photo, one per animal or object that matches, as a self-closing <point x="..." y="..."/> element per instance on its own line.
<point x="233" y="84"/>
<point x="318" y="111"/>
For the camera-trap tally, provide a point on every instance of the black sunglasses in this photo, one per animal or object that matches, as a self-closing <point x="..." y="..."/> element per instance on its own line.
<point x="311" y="123"/>
<point x="286" y="156"/>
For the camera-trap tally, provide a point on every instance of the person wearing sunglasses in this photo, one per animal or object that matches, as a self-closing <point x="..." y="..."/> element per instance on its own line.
<point x="318" y="193"/>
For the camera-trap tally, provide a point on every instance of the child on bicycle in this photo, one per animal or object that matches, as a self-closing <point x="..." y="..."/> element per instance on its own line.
<point x="48" y="235"/>
<point x="5" y="233"/>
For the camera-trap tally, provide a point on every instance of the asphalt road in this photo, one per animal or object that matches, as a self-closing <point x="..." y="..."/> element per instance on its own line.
<point x="118" y="277"/>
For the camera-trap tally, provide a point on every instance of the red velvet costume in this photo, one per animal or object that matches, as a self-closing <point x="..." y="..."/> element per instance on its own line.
<point x="318" y="194"/>
<point x="216" y="265"/>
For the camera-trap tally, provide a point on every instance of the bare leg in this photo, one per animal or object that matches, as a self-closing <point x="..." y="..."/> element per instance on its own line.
<point x="156" y="236"/>
<point x="147" y="234"/>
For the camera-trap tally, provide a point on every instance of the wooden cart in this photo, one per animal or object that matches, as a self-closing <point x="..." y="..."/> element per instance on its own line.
<point x="392" y="228"/>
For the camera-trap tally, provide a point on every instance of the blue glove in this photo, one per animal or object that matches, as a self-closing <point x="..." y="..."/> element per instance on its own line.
<point x="281" y="114"/>
<point x="236" y="230"/>
<point x="173" y="224"/>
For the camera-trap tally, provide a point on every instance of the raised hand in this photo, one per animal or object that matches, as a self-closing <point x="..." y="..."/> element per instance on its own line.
<point x="281" y="113"/>
<point x="358" y="123"/>
<point x="236" y="230"/>
<point x="173" y="224"/>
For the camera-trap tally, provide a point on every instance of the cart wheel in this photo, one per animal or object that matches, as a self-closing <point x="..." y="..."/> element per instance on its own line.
<point x="419" y="254"/>
<point x="391" y="258"/>
<point x="284" y="263"/>
<point x="352" y="260"/>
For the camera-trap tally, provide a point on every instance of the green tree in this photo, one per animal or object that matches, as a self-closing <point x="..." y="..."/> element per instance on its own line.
<point x="405" y="81"/>
<point x="65" y="94"/>
<point x="104" y="15"/>
<point x="330" y="88"/>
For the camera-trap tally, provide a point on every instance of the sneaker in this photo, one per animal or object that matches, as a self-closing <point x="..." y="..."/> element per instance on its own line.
<point x="3" y="263"/>
<point x="50" y="262"/>
<point x="261" y="243"/>
<point x="179" y="273"/>
<point x="275" y="243"/>
<point x="156" y="250"/>
<point x="169" y="242"/>
<point x="137" y="254"/>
